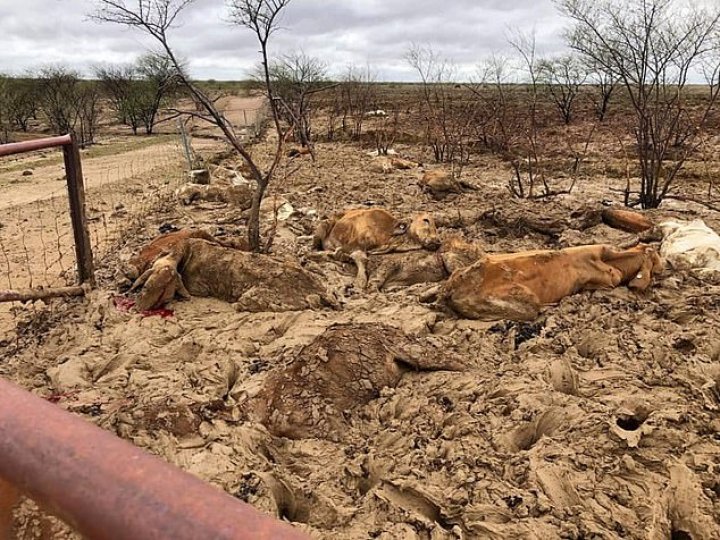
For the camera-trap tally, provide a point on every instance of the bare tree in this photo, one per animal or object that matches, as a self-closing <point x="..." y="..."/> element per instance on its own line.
<point x="358" y="96"/>
<point x="495" y="125"/>
<point x="386" y="131"/>
<point x="4" y="110"/>
<point x="118" y="83"/>
<point x="158" y="80"/>
<point x="58" y="98"/>
<point x="157" y="17"/>
<point x="69" y="104"/>
<point x="296" y="78"/>
<point x="527" y="165"/>
<point x="604" y="82"/>
<point x="564" y="77"/>
<point x="448" y="116"/>
<point x="21" y="101"/>
<point x="138" y="92"/>
<point x="651" y="46"/>
<point x="87" y="102"/>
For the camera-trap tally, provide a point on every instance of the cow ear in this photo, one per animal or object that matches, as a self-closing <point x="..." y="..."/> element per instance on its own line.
<point x="400" y="228"/>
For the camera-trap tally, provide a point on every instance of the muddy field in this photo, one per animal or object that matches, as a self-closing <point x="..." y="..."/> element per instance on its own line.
<point x="598" y="420"/>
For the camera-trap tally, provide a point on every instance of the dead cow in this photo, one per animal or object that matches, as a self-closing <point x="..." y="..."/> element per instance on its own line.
<point x="690" y="245"/>
<point x="344" y="368"/>
<point x="164" y="244"/>
<point x="375" y="228"/>
<point x="254" y="282"/>
<point x="380" y="272"/>
<point x="440" y="183"/>
<point x="626" y="220"/>
<point x="300" y="151"/>
<point x="240" y="195"/>
<point x="515" y="286"/>
<point x="139" y="263"/>
<point x="386" y="165"/>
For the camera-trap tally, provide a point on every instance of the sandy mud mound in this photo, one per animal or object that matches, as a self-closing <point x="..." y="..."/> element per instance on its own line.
<point x="345" y="367"/>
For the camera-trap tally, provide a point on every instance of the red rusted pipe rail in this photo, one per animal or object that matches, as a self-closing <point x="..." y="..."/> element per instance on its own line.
<point x="107" y="488"/>
<point x="36" y="144"/>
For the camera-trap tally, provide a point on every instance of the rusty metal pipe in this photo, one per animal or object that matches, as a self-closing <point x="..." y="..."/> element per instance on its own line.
<point x="107" y="488"/>
<point x="36" y="144"/>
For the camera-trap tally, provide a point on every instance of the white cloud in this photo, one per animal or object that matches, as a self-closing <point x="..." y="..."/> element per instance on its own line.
<point x="38" y="32"/>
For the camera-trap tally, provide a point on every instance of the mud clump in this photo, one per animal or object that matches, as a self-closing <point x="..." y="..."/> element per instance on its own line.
<point x="347" y="366"/>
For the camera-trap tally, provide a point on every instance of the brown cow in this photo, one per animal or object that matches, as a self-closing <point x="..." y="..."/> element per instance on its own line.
<point x="253" y="281"/>
<point x="139" y="263"/>
<point x="299" y="151"/>
<point x="440" y="183"/>
<point x="515" y="286"/>
<point x="164" y="244"/>
<point x="375" y="228"/>
<point x="626" y="220"/>
<point x="240" y="196"/>
<point x="380" y="272"/>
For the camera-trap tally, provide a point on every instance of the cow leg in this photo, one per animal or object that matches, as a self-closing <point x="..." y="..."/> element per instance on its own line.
<point x="382" y="275"/>
<point x="361" y="279"/>
<point x="516" y="303"/>
<point x="9" y="497"/>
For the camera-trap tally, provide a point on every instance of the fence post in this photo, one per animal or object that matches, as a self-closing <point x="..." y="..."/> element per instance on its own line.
<point x="76" y="193"/>
<point x="186" y="144"/>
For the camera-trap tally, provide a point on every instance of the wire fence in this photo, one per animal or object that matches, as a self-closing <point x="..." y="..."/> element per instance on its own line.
<point x="36" y="237"/>
<point x="126" y="180"/>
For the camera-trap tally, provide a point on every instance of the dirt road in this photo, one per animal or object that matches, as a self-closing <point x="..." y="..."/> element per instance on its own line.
<point x="49" y="180"/>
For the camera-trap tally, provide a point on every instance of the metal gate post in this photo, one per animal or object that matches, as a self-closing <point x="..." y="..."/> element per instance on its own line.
<point x="76" y="193"/>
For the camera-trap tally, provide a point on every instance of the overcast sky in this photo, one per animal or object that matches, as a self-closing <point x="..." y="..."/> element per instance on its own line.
<point x="375" y="32"/>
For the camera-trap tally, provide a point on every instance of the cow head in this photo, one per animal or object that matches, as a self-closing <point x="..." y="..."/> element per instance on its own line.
<point x="669" y="227"/>
<point x="422" y="229"/>
<point x="456" y="253"/>
<point x="651" y="265"/>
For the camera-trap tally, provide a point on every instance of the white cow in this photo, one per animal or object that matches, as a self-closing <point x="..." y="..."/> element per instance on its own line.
<point x="690" y="245"/>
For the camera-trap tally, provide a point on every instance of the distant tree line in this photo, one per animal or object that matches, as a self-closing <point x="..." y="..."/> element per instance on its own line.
<point x="58" y="99"/>
<point x="138" y="91"/>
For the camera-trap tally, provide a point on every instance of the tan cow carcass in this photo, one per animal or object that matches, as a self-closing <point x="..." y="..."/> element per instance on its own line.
<point x="376" y="229"/>
<point x="164" y="244"/>
<point x="626" y="220"/>
<point x="299" y="152"/>
<point x="690" y="245"/>
<point x="139" y="263"/>
<point x="385" y="271"/>
<point x="252" y="281"/>
<point x="386" y="164"/>
<point x="515" y="286"/>
<point x="235" y="195"/>
<point x="439" y="183"/>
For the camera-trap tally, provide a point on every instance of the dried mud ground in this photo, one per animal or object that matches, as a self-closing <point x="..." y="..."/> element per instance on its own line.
<point x="600" y="420"/>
